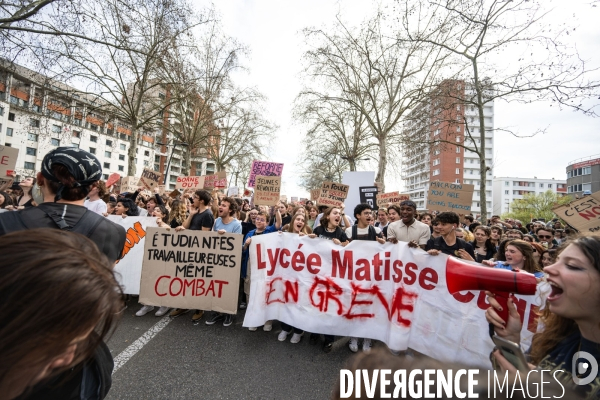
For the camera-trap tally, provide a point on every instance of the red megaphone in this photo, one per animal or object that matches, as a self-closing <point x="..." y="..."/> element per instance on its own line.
<point x="464" y="276"/>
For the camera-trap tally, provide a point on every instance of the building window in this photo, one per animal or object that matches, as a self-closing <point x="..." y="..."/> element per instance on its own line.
<point x="457" y="149"/>
<point x="458" y="160"/>
<point x="146" y="163"/>
<point x="121" y="157"/>
<point x="436" y="161"/>
<point x="34" y="123"/>
<point x="457" y="180"/>
<point x="75" y="145"/>
<point x="122" y="146"/>
<point x="458" y="139"/>
<point x="56" y="128"/>
<point x="161" y="96"/>
<point x="76" y="134"/>
<point x="107" y="154"/>
<point x="147" y="153"/>
<point x="32" y="136"/>
<point x="121" y="168"/>
<point x="106" y="165"/>
<point x="210" y="169"/>
<point x="94" y="139"/>
<point x="457" y="128"/>
<point x="29" y="165"/>
<point x="436" y="172"/>
<point x="436" y="152"/>
<point x="94" y="127"/>
<point x="105" y="176"/>
<point x="30" y="151"/>
<point x="37" y="108"/>
<point x="586" y="187"/>
<point x="506" y="192"/>
<point x="457" y="171"/>
<point x="11" y="116"/>
<point x="549" y="186"/>
<point x="9" y="131"/>
<point x="93" y="150"/>
<point x="1" y="111"/>
<point x="507" y="183"/>
<point x="109" y="142"/>
<point x="436" y="132"/>
<point x="55" y="142"/>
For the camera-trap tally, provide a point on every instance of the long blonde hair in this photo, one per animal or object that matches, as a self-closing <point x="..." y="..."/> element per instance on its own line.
<point x="305" y="229"/>
<point x="178" y="212"/>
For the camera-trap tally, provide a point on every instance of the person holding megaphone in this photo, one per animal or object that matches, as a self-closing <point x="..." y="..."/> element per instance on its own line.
<point x="570" y="320"/>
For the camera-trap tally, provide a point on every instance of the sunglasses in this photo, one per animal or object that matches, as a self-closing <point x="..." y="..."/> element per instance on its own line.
<point x="544" y="236"/>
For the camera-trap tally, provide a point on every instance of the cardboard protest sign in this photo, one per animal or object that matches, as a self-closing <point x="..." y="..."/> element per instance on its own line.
<point x="174" y="193"/>
<point x="448" y="196"/>
<point x="190" y="182"/>
<point x="149" y="179"/>
<point x="333" y="194"/>
<point x="266" y="190"/>
<point x="263" y="168"/>
<point x="233" y="191"/>
<point x="8" y="160"/>
<point x="192" y="270"/>
<point x="129" y="267"/>
<point x="5" y="183"/>
<point x="385" y="199"/>
<point x="582" y="214"/>
<point x="368" y="196"/>
<point x="129" y="184"/>
<point x="161" y="189"/>
<point x="314" y="194"/>
<point x="215" y="181"/>
<point x="294" y="199"/>
<point x="401" y="298"/>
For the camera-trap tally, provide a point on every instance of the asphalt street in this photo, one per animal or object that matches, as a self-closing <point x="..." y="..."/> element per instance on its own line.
<point x="187" y="361"/>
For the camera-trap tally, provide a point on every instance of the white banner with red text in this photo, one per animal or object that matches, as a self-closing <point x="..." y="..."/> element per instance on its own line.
<point x="386" y="292"/>
<point x="129" y="268"/>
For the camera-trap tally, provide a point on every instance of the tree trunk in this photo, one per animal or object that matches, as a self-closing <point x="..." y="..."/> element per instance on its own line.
<point x="131" y="154"/>
<point x="382" y="162"/>
<point x="482" y="133"/>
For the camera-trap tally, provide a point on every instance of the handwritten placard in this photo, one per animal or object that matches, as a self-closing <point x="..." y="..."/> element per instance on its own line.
<point x="191" y="270"/>
<point x="149" y="179"/>
<point x="582" y="214"/>
<point x="5" y="183"/>
<point x="214" y="181"/>
<point x="266" y="190"/>
<point x="8" y="160"/>
<point x="189" y="182"/>
<point x="129" y="184"/>
<point x="385" y="199"/>
<point x="333" y="194"/>
<point x="264" y="168"/>
<point x="448" y="196"/>
<point x="314" y="194"/>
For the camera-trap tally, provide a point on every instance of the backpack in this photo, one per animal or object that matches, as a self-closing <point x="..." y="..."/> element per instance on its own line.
<point x="372" y="235"/>
<point x="87" y="224"/>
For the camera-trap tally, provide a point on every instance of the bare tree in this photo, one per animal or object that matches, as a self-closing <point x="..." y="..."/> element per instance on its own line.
<point x="337" y="125"/>
<point x="203" y="92"/>
<point x="502" y="50"/>
<point x="380" y="75"/>
<point x="127" y="80"/>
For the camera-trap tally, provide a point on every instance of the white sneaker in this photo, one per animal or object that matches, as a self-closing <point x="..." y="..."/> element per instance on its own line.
<point x="144" y="310"/>
<point x="252" y="329"/>
<point x="162" y="311"/>
<point x="268" y="326"/>
<point x="353" y="344"/>
<point x="366" y="345"/>
<point x="296" y="337"/>
<point x="282" y="336"/>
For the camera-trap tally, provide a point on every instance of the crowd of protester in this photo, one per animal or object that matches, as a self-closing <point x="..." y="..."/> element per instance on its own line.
<point x="63" y="198"/>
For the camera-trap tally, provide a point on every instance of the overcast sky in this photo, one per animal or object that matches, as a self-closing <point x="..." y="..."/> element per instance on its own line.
<point x="272" y="30"/>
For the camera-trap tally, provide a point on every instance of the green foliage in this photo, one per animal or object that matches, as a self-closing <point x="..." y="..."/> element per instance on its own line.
<point x="536" y="206"/>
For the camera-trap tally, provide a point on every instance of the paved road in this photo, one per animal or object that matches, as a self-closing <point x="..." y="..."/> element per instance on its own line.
<point x="187" y="361"/>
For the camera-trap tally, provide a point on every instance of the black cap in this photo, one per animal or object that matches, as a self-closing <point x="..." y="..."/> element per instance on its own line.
<point x="83" y="166"/>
